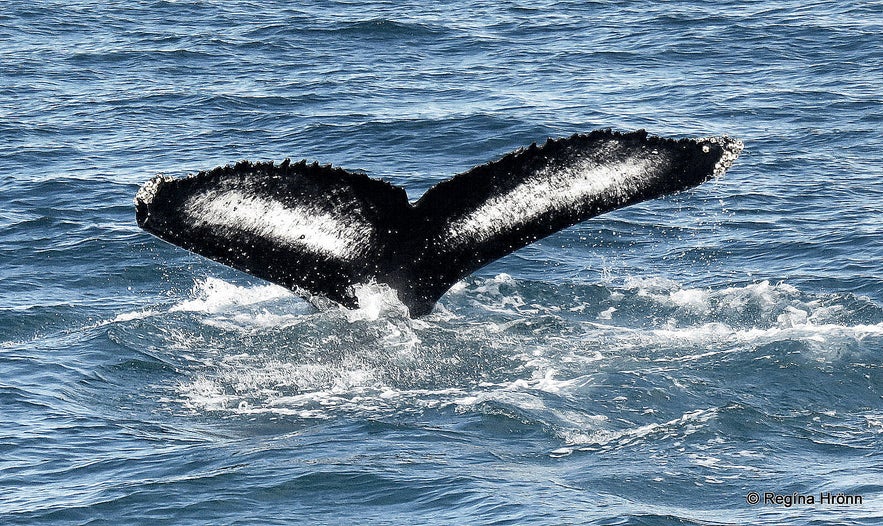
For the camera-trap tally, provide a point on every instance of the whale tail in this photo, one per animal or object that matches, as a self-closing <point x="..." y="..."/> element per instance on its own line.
<point x="322" y="230"/>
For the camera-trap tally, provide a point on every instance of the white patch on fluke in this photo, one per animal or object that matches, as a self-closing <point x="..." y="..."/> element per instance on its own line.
<point x="553" y="189"/>
<point x="267" y="218"/>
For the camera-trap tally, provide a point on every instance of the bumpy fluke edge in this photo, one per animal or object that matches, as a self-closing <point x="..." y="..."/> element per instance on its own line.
<point x="320" y="230"/>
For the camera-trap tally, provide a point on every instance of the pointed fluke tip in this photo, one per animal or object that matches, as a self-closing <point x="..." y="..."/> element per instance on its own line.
<point x="731" y="147"/>
<point x="146" y="194"/>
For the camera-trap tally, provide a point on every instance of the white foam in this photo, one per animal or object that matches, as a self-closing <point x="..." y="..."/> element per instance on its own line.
<point x="875" y="422"/>
<point x="686" y="424"/>
<point x="693" y="299"/>
<point x="541" y="381"/>
<point x="136" y="315"/>
<point x="128" y="316"/>
<point x="763" y="295"/>
<point x="375" y="300"/>
<point x="814" y="333"/>
<point x="779" y="313"/>
<point x="315" y="230"/>
<point x="124" y="317"/>
<point x="205" y="394"/>
<point x="254" y="386"/>
<point x="213" y="295"/>
<point x="375" y="361"/>
<point x="606" y="314"/>
<point x="490" y="295"/>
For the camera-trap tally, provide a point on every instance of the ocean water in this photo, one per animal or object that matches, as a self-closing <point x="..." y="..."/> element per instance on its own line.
<point x="653" y="366"/>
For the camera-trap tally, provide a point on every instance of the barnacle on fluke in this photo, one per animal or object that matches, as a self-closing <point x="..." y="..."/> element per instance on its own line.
<point x="321" y="230"/>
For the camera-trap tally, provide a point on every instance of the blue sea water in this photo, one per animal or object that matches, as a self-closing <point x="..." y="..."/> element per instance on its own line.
<point x="648" y="367"/>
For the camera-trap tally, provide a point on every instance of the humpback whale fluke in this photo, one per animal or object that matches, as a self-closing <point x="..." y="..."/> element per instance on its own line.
<point x="320" y="230"/>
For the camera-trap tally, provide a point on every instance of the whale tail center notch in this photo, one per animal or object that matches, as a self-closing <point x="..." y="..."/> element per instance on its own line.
<point x="321" y="230"/>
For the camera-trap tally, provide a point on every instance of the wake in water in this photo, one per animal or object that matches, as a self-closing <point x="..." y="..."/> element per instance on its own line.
<point x="562" y="358"/>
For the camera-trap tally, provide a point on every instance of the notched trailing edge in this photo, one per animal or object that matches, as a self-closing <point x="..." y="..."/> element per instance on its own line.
<point x="542" y="188"/>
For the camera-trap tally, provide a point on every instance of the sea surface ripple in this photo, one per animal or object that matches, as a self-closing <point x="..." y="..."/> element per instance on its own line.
<point x="649" y="367"/>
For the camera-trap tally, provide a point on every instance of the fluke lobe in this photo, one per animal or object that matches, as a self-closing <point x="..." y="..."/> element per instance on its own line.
<point x="320" y="230"/>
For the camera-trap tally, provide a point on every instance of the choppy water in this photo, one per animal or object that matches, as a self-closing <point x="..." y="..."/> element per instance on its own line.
<point x="652" y="366"/>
